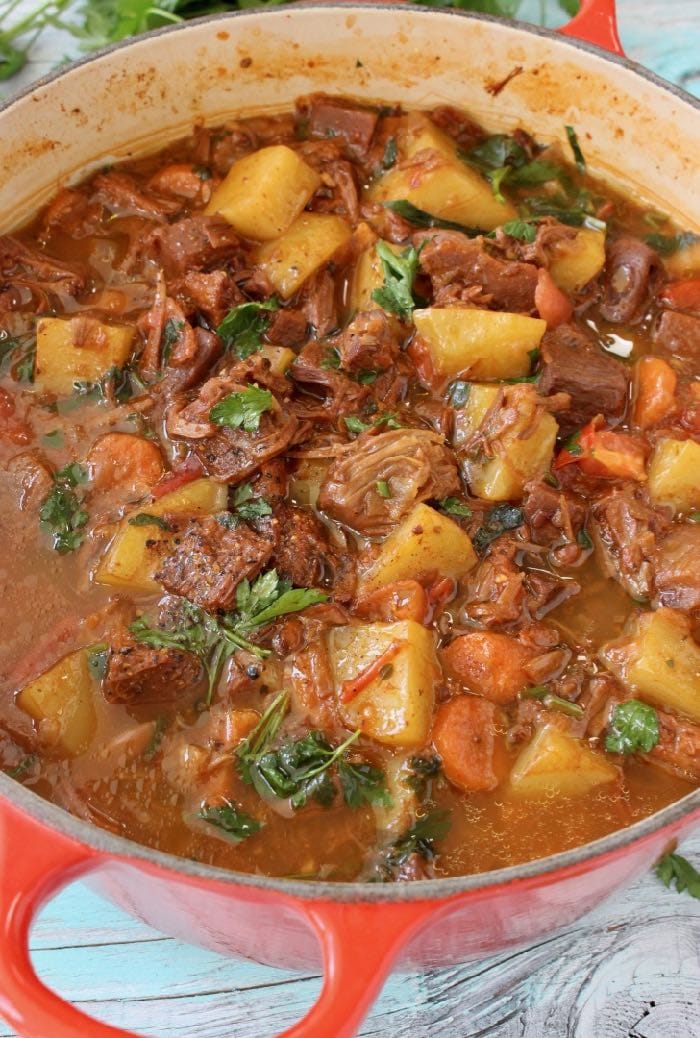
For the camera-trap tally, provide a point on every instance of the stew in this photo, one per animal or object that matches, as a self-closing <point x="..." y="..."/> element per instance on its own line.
<point x="350" y="481"/>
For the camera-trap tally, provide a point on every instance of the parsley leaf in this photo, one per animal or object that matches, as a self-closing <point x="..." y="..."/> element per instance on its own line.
<point x="246" y="506"/>
<point x="390" y="153"/>
<point x="243" y="327"/>
<point x="232" y="822"/>
<point x="420" y="218"/>
<point x="634" y="726"/>
<point x="21" y="769"/>
<point x="267" y="598"/>
<point x="243" y="410"/>
<point x="423" y="771"/>
<point x="145" y="519"/>
<point x="674" y="868"/>
<point x="576" y="149"/>
<point x="496" y="522"/>
<point x="420" y="838"/>
<point x="355" y="425"/>
<point x="502" y="160"/>
<point x="331" y="359"/>
<point x="54" y="439"/>
<point x="172" y="329"/>
<point x="62" y="514"/>
<point x="362" y="783"/>
<point x="396" y="294"/>
<point x="453" y="506"/>
<point x="523" y="230"/>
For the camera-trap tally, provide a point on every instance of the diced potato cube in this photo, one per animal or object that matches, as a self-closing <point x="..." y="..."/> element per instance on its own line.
<point x="136" y="552"/>
<point x="479" y="343"/>
<point x="61" y="703"/>
<point x="78" y="349"/>
<point x="517" y="458"/>
<point x="368" y="276"/>
<point x="445" y="187"/>
<point x="263" y="193"/>
<point x="280" y="358"/>
<point x="307" y="245"/>
<point x="554" y="762"/>
<point x="660" y="661"/>
<point x="674" y="474"/>
<point x="396" y="707"/>
<point x="426" y="542"/>
<point x="576" y="261"/>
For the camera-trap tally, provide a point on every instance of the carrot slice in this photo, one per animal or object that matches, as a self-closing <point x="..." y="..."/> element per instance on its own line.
<point x="464" y="736"/>
<point x="655" y="388"/>
<point x="552" y="304"/>
<point x="489" y="663"/>
<point x="682" y="295"/>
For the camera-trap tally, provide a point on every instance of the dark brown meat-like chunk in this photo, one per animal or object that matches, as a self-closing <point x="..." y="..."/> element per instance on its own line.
<point x="678" y="568"/>
<point x="19" y="259"/>
<point x="137" y="673"/>
<point x="555" y="518"/>
<point x="624" y="530"/>
<point x="574" y="365"/>
<point x="305" y="555"/>
<point x="414" y="463"/>
<point x="458" y="125"/>
<point x="328" y="393"/>
<point x="371" y="342"/>
<point x="680" y="335"/>
<point x="120" y="193"/>
<point x="317" y="303"/>
<point x="630" y="265"/>
<point x="211" y="294"/>
<point x="495" y="591"/>
<point x="678" y="748"/>
<point x="287" y="328"/>
<point x="195" y="243"/>
<point x="457" y="266"/>
<point x="211" y="560"/>
<point x="330" y="117"/>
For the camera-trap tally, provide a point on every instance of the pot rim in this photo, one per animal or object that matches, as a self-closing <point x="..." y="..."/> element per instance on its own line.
<point x="108" y="844"/>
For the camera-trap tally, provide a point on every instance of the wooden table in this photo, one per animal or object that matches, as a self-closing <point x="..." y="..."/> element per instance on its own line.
<point x="631" y="969"/>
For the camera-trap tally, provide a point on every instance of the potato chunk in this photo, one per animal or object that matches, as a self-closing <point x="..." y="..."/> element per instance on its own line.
<point x="517" y="458"/>
<point x="433" y="178"/>
<point x="78" y="349"/>
<point x="307" y="245"/>
<point x="368" y="276"/>
<point x="60" y="702"/>
<point x="660" y="661"/>
<point x="425" y="542"/>
<point x="135" y="552"/>
<point x="674" y="474"/>
<point x="280" y="357"/>
<point x="479" y="343"/>
<point x="554" y="762"/>
<point x="263" y="193"/>
<point x="576" y="261"/>
<point x="396" y="706"/>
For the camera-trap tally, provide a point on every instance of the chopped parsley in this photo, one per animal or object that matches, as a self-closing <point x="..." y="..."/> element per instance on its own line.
<point x="172" y="330"/>
<point x="243" y="410"/>
<point x="423" y="771"/>
<point x="246" y="506"/>
<point x="24" y="766"/>
<point x="243" y="327"/>
<point x="396" y="294"/>
<point x="522" y="230"/>
<point x="496" y="522"/>
<point x="453" y="506"/>
<point x="420" y="838"/>
<point x="62" y="514"/>
<point x="420" y="218"/>
<point x="667" y="244"/>
<point x="233" y="823"/>
<point x="503" y="161"/>
<point x="331" y="359"/>
<point x="576" y="149"/>
<point x="146" y="519"/>
<point x="54" y="439"/>
<point x="584" y="541"/>
<point x="633" y="727"/>
<point x="675" y="869"/>
<point x="383" y="488"/>
<point x="354" y="424"/>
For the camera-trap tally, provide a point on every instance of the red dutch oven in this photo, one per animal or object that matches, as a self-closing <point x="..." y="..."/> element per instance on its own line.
<point x="637" y="131"/>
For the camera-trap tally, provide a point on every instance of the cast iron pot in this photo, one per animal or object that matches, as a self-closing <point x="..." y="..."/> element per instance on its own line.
<point x="637" y="131"/>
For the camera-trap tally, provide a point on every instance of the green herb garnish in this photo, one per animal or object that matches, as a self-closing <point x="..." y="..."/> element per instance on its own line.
<point x="98" y="656"/>
<point x="576" y="149"/>
<point x="523" y="230"/>
<point x="420" y="218"/>
<point x="584" y="541"/>
<point x="230" y="820"/>
<point x="420" y="838"/>
<point x="496" y="522"/>
<point x="667" y="244"/>
<point x="62" y="514"/>
<point x="390" y="153"/>
<point x="383" y="488"/>
<point x="243" y="327"/>
<point x="552" y="701"/>
<point x="146" y="519"/>
<point x="54" y="439"/>
<point x="172" y="330"/>
<point x="458" y="392"/>
<point x="243" y="410"/>
<point x="21" y="769"/>
<point x="453" y="506"/>
<point x="331" y="359"/>
<point x="633" y="727"/>
<point x="396" y="294"/>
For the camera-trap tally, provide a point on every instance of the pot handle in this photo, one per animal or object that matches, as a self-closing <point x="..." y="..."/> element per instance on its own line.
<point x="35" y="862"/>
<point x="596" y="22"/>
<point x="360" y="943"/>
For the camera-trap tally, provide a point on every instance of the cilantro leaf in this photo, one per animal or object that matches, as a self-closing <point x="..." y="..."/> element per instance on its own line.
<point x="172" y="329"/>
<point x="523" y="230"/>
<point x="420" y="838"/>
<point x="232" y="822"/>
<point x="146" y="519"/>
<point x="633" y="727"/>
<point x="496" y="522"/>
<point x="363" y="784"/>
<point x="243" y="327"/>
<point x="674" y="868"/>
<point x="246" y="506"/>
<point x="396" y="294"/>
<point x="453" y="506"/>
<point x="576" y="149"/>
<point x="62" y="514"/>
<point x="243" y="410"/>
<point x="420" y="218"/>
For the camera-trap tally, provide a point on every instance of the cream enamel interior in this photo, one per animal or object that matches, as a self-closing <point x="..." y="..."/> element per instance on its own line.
<point x="135" y="98"/>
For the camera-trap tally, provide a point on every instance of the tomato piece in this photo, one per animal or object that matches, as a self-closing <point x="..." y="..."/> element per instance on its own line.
<point x="190" y="469"/>
<point x="682" y="295"/>
<point x="655" y="388"/>
<point x="604" y="453"/>
<point x="553" y="305"/>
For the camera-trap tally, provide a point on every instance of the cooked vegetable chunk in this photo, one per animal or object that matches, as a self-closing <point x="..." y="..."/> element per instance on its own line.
<point x="432" y="178"/>
<point x="489" y="663"/>
<point x="60" y="702"/>
<point x="307" y="245"/>
<point x="576" y="261"/>
<point x="367" y="278"/>
<point x="78" y="349"/>
<point x="264" y="192"/>
<point x="280" y="358"/>
<point x="554" y="762"/>
<point x="139" y="546"/>
<point x="464" y="737"/>
<point x="522" y="452"/>
<point x="426" y="542"/>
<point x="660" y="660"/>
<point x="479" y="343"/>
<point x="384" y="677"/>
<point x="674" y="474"/>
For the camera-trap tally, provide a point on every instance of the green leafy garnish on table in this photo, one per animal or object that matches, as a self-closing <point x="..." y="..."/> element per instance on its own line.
<point x="230" y="820"/>
<point x="242" y="410"/>
<point x="634" y="727"/>
<point x="675" y="869"/>
<point x="62" y="514"/>
<point x="243" y="327"/>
